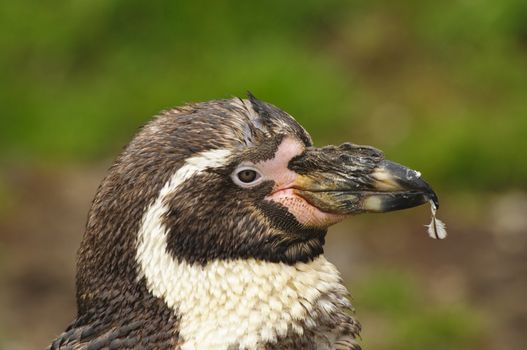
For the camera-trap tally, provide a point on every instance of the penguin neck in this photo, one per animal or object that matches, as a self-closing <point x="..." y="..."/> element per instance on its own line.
<point x="244" y="301"/>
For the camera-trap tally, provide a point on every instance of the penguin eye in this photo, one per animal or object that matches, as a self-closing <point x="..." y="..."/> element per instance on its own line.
<point x="246" y="176"/>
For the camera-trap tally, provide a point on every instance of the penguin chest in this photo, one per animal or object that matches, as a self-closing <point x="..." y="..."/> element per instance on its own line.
<point x="248" y="303"/>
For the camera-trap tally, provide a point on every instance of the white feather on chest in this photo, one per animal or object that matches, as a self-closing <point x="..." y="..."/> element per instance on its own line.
<point x="242" y="302"/>
<point x="245" y="302"/>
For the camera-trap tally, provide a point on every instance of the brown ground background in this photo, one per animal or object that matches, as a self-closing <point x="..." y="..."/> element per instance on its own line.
<point x="480" y="268"/>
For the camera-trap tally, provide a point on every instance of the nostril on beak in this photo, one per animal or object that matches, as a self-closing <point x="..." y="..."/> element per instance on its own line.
<point x="345" y="158"/>
<point x="347" y="146"/>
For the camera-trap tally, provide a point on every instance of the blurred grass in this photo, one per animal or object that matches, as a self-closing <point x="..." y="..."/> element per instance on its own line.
<point x="438" y="86"/>
<point x="7" y="199"/>
<point x="403" y="317"/>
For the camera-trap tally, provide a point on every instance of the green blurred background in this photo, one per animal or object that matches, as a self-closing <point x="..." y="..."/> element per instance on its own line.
<point x="439" y="86"/>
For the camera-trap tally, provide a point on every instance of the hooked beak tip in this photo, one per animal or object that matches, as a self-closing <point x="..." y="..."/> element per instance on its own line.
<point x="399" y="188"/>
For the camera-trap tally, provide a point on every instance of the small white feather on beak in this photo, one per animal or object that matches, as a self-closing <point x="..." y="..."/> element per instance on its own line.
<point x="436" y="228"/>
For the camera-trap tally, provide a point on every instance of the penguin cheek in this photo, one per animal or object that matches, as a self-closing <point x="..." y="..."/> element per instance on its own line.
<point x="305" y="213"/>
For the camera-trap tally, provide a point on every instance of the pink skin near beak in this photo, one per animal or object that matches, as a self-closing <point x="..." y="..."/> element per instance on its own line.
<point x="284" y="190"/>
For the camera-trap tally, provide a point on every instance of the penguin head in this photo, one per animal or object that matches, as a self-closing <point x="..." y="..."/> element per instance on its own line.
<point x="230" y="179"/>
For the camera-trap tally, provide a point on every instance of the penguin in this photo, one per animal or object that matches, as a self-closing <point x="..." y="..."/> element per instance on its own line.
<point x="208" y="233"/>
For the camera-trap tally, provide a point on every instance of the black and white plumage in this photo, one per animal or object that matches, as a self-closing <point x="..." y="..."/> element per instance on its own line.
<point x="208" y="233"/>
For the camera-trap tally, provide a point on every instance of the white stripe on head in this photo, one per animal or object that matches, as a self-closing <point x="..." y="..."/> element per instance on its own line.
<point x="193" y="166"/>
<point x="155" y="264"/>
<point x="224" y="303"/>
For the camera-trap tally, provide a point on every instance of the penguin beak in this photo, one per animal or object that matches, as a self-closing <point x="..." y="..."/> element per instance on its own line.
<point x="352" y="179"/>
